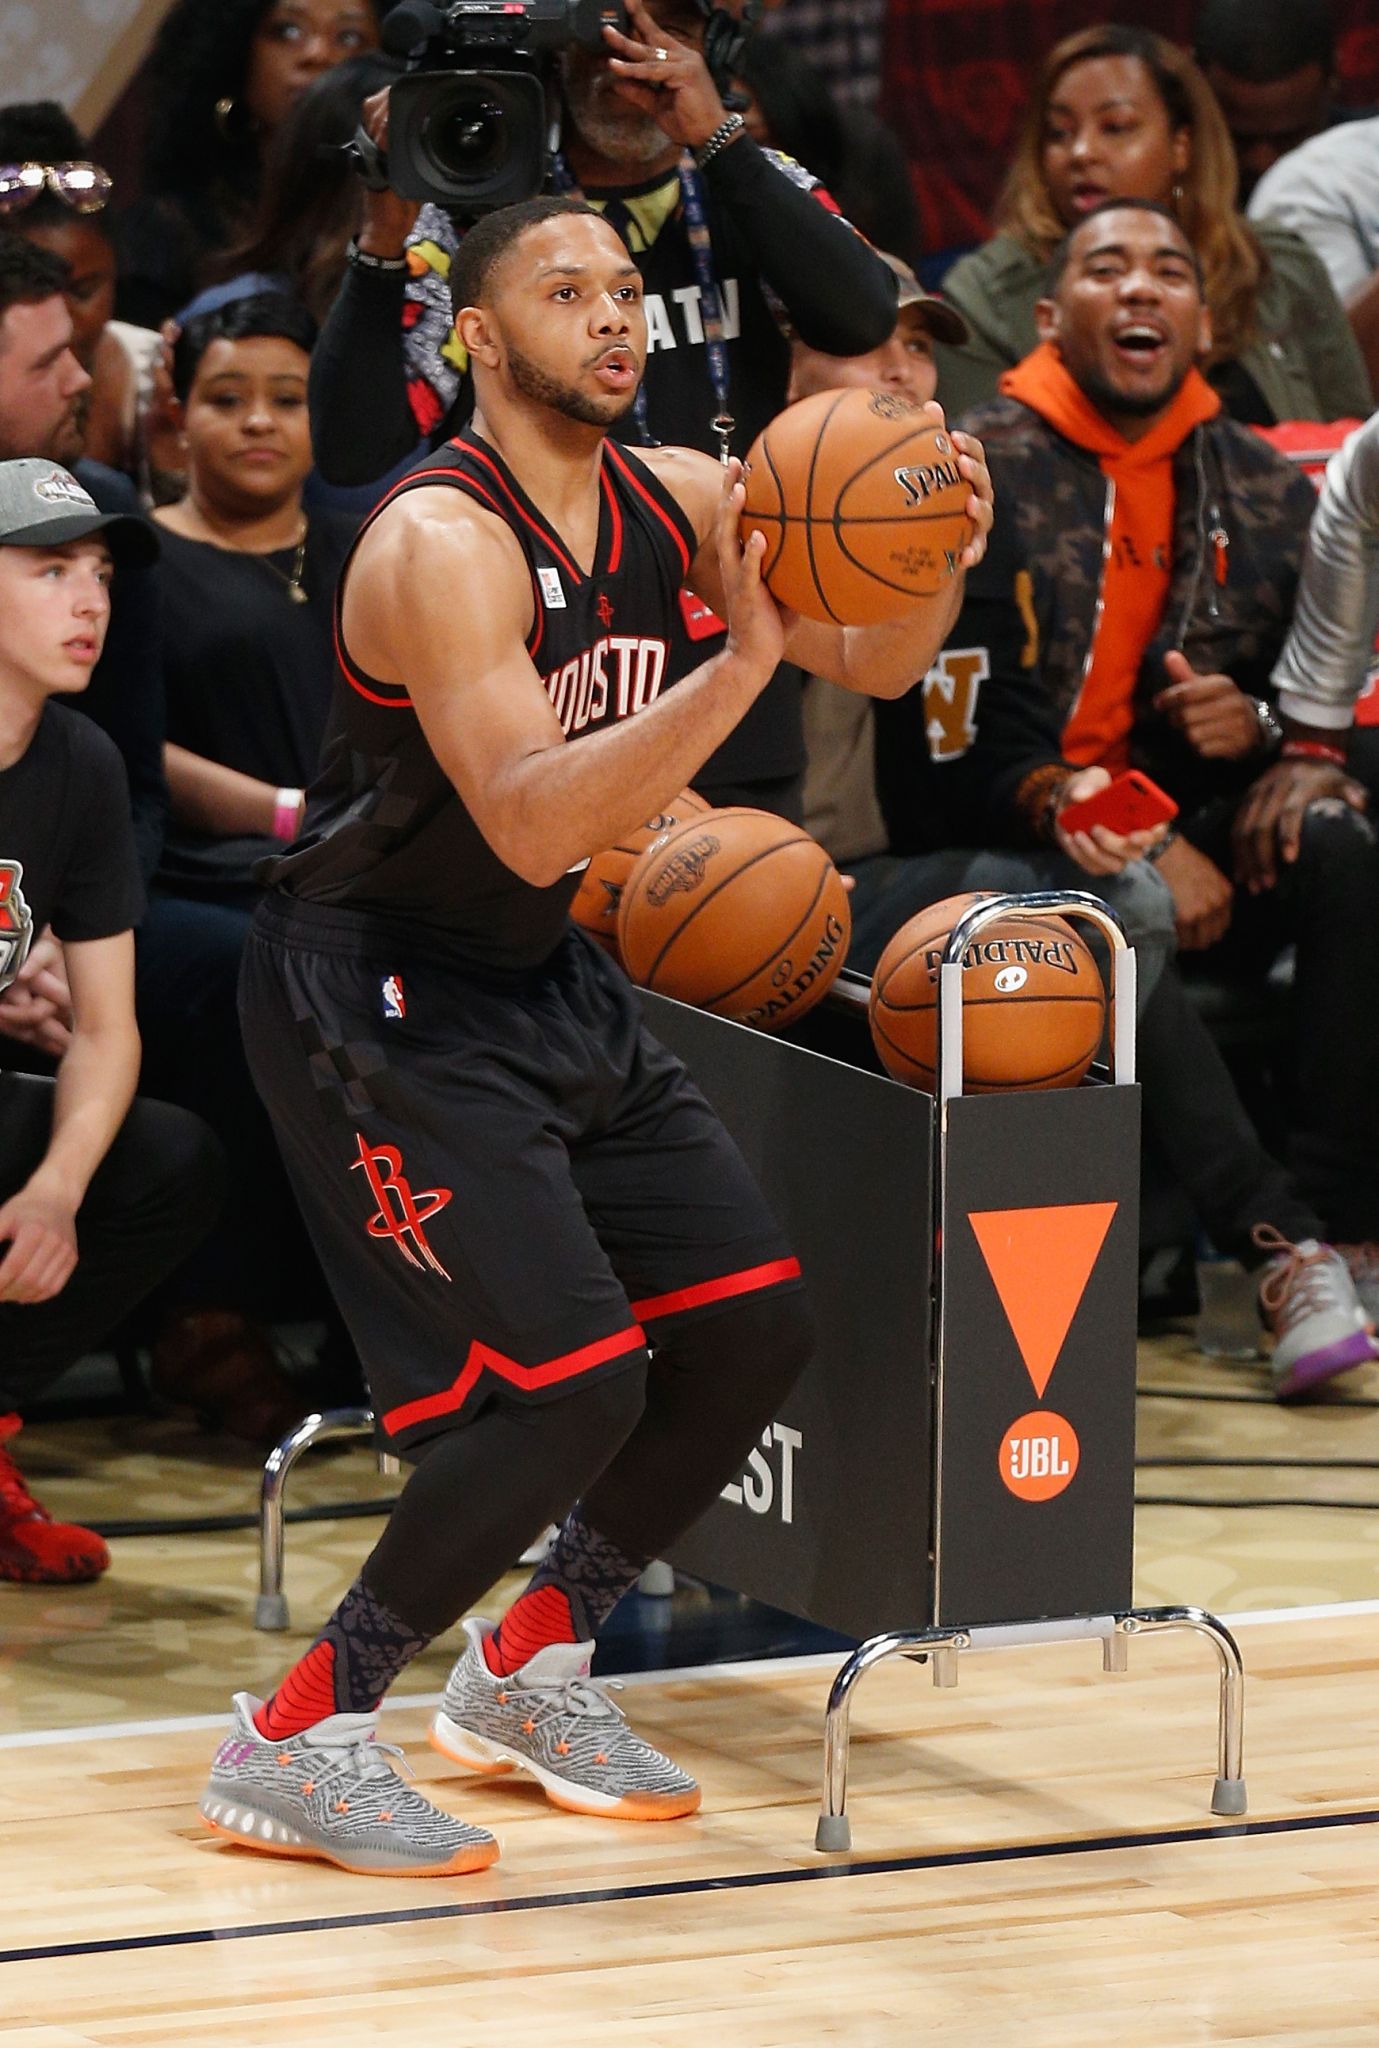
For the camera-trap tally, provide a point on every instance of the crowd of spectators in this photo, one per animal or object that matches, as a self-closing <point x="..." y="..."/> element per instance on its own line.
<point x="232" y="347"/>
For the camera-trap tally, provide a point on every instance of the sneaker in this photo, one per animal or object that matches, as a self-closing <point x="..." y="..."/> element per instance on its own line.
<point x="34" y="1549"/>
<point x="1363" y="1261"/>
<point x="334" y="1793"/>
<point x="552" y="1719"/>
<point x="1309" y="1302"/>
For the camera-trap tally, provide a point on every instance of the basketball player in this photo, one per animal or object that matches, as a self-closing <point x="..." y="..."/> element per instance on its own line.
<point x="518" y="1194"/>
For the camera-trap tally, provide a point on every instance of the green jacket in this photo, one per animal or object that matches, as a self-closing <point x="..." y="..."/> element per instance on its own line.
<point x="1304" y="358"/>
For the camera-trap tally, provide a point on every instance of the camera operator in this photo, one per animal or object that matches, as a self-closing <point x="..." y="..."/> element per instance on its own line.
<point x="708" y="216"/>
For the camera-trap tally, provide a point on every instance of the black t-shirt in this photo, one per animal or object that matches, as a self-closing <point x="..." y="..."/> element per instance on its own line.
<point x="248" y="679"/>
<point x="388" y="838"/>
<point x="66" y="843"/>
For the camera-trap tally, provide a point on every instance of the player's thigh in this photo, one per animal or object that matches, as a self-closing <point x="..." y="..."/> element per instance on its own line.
<point x="439" y="1200"/>
<point x="675" y="1205"/>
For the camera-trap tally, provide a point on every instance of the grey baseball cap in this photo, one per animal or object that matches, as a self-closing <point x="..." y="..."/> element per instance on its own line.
<point x="43" y="506"/>
<point x="943" y="321"/>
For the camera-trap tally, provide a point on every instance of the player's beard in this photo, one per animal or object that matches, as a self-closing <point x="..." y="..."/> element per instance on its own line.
<point x="539" y="385"/>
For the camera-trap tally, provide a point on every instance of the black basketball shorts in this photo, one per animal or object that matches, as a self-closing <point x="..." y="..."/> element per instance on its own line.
<point x="510" y="1190"/>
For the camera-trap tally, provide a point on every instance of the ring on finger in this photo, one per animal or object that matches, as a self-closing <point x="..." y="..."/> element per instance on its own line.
<point x="659" y="56"/>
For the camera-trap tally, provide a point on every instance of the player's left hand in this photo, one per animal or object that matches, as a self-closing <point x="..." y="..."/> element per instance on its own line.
<point x="757" y="626"/>
<point x="981" y="506"/>
<point x="665" y="78"/>
<point x="1213" y="714"/>
<point x="1268" y="825"/>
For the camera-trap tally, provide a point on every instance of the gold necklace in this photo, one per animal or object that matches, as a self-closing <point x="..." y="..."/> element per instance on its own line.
<point x="292" y="580"/>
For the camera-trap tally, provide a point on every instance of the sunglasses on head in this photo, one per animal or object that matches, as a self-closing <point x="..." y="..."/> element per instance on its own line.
<point x="82" y="186"/>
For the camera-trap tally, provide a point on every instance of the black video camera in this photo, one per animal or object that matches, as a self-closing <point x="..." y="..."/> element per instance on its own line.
<point x="474" y="121"/>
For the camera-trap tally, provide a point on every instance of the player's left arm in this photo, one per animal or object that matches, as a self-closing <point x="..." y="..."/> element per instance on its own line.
<point x="876" y="661"/>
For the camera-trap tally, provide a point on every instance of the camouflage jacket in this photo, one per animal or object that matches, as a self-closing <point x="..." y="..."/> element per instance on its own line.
<point x="952" y="754"/>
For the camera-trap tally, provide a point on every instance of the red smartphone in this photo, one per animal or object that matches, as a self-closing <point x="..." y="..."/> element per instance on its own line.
<point x="1132" y="803"/>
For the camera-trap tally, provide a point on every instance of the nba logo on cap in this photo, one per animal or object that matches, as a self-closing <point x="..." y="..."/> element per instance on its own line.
<point x="394" y="1001"/>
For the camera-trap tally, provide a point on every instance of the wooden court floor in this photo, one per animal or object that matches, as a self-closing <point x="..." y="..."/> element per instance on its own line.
<point x="1035" y="1864"/>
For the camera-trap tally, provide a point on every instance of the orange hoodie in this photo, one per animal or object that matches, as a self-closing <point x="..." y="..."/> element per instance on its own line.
<point x="1139" y="543"/>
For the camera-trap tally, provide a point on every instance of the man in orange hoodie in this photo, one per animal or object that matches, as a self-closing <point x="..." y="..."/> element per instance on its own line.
<point x="1136" y="593"/>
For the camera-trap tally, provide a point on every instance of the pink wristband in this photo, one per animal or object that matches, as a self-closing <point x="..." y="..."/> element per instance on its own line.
<point x="286" y="810"/>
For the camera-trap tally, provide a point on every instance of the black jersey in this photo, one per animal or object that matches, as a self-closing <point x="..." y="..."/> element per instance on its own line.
<point x="387" y="835"/>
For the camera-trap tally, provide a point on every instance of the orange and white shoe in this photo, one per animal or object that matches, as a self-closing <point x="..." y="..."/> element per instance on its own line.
<point x="552" y="1719"/>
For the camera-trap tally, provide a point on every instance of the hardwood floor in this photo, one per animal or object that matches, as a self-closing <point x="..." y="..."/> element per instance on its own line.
<point x="1035" y="1864"/>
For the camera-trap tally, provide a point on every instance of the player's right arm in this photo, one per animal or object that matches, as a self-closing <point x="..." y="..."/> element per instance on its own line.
<point x="439" y="598"/>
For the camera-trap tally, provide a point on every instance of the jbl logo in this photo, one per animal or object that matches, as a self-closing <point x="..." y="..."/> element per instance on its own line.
<point x="1039" y="1455"/>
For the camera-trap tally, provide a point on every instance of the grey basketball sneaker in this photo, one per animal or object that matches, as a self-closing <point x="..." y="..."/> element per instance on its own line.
<point x="552" y="1719"/>
<point x="333" y="1793"/>
<point x="1309" y="1301"/>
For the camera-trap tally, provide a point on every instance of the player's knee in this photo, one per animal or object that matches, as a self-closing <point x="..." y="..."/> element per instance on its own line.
<point x="771" y="1337"/>
<point x="1334" y="837"/>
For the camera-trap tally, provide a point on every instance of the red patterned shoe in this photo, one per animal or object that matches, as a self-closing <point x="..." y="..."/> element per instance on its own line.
<point x="33" y="1547"/>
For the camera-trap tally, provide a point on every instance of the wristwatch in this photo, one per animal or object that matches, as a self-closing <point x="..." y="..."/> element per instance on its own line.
<point x="1270" y="729"/>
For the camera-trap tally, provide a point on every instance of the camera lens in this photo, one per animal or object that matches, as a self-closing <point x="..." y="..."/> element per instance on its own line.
<point x="464" y="135"/>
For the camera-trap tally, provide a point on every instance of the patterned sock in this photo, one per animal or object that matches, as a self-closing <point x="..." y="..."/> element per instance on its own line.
<point x="347" y="1670"/>
<point x="571" y="1595"/>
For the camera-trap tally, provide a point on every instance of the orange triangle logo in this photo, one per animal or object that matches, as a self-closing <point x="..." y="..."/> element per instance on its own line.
<point x="1040" y="1261"/>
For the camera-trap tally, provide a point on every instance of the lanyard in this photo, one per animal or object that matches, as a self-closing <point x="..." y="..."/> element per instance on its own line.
<point x="710" y="303"/>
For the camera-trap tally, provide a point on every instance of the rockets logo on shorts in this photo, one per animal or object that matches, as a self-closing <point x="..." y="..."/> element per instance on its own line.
<point x="394" y="1001"/>
<point x="16" y="922"/>
<point x="401" y="1215"/>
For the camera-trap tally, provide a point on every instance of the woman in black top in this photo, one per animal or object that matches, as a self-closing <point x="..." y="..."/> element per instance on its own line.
<point x="247" y="581"/>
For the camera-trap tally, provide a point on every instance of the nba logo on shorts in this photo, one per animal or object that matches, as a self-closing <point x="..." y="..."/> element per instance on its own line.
<point x="394" y="1001"/>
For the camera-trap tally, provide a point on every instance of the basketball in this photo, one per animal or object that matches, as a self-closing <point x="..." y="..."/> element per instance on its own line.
<point x="862" y="504"/>
<point x="739" y="912"/>
<point x="601" y="885"/>
<point x="1033" y="1009"/>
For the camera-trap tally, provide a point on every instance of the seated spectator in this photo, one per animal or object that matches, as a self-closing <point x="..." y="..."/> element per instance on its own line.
<point x="1272" y="66"/>
<point x="100" y="1195"/>
<point x="1133" y="600"/>
<point x="248" y="591"/>
<point x="1119" y="113"/>
<point x="842" y="808"/>
<point x="59" y="201"/>
<point x="223" y="77"/>
<point x="42" y="388"/>
<point x="1327" y="192"/>
<point x="1328" y="660"/>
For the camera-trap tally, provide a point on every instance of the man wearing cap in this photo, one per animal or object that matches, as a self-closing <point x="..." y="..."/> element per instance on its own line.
<point x="100" y="1195"/>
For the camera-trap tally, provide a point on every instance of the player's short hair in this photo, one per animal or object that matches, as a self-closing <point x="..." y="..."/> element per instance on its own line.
<point x="1058" y="262"/>
<point x="493" y="235"/>
<point x="258" y="313"/>
<point x="1262" y="41"/>
<point x="28" y="274"/>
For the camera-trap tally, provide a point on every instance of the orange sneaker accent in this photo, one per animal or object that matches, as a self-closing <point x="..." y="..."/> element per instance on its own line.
<point x="674" y="1806"/>
<point x="600" y="1758"/>
<point x="482" y="1765"/>
<point x="562" y="1749"/>
<point x="529" y="1728"/>
<point x="342" y="1806"/>
<point x="460" y="1864"/>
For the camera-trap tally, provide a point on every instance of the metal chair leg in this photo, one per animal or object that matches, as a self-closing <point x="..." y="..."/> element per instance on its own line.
<point x="834" y="1830"/>
<point x="270" y="1609"/>
<point x="1228" y="1794"/>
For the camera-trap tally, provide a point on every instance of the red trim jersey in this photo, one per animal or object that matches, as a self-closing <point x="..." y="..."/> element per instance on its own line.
<point x="387" y="835"/>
